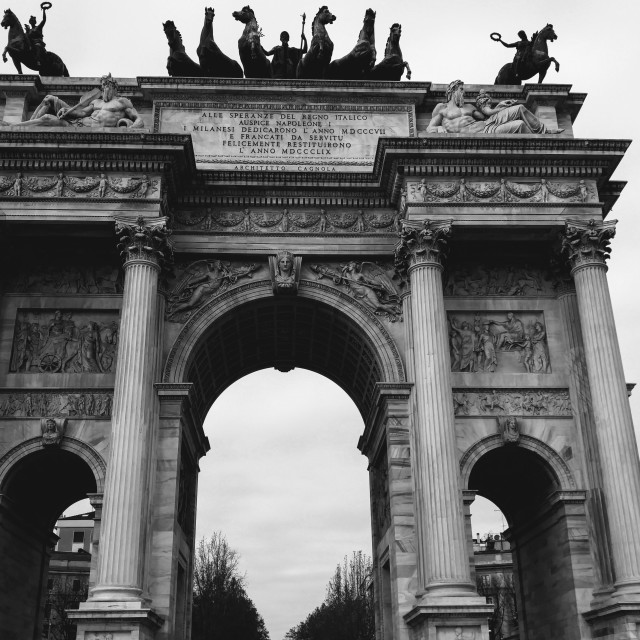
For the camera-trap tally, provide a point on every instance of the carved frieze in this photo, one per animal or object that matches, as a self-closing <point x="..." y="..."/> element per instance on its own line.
<point x="64" y="341"/>
<point x="60" y="185"/>
<point x="502" y="190"/>
<point x="52" y="430"/>
<point x="64" y="278"/>
<point x="196" y="283"/>
<point x="493" y="280"/>
<point x="510" y="402"/>
<point x="288" y="221"/>
<point x="56" y="404"/>
<point x="370" y="283"/>
<point x="510" y="342"/>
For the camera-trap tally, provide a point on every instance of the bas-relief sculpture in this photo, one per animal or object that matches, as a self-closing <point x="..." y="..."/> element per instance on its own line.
<point x="198" y="282"/>
<point x="532" y="57"/>
<point x="481" y="342"/>
<point x="28" y="48"/>
<point x="359" y="62"/>
<point x="493" y="280"/>
<point x="81" y="186"/>
<point x="287" y="221"/>
<point x="56" y="404"/>
<point x="505" y="402"/>
<point x="454" y="116"/>
<point x="47" y="341"/>
<point x="98" y="108"/>
<point x="52" y="430"/>
<point x="64" y="278"/>
<point x="370" y="283"/>
<point x="503" y="190"/>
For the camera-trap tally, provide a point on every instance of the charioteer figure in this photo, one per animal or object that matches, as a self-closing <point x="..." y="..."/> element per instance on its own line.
<point x="286" y="58"/>
<point x="522" y="47"/>
<point x="35" y="36"/>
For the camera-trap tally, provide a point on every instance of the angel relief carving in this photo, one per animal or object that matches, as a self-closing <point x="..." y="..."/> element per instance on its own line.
<point x="200" y="281"/>
<point x="369" y="283"/>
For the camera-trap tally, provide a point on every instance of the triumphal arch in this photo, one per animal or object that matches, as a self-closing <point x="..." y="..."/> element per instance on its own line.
<point x="439" y="251"/>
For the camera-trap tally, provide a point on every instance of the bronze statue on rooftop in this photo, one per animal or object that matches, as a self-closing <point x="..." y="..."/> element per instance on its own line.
<point x="252" y="55"/>
<point x="392" y="66"/>
<point x="285" y="58"/>
<point x="214" y="63"/>
<point x="361" y="59"/>
<point x="316" y="62"/>
<point x="28" y="48"/>
<point x="532" y="57"/>
<point x="178" y="62"/>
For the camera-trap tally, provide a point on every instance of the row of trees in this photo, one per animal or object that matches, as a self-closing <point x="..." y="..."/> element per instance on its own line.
<point x="347" y="612"/>
<point x="222" y="610"/>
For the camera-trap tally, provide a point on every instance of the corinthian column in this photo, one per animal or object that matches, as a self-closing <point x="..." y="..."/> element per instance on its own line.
<point x="443" y="560"/>
<point x="124" y="536"/>
<point x="586" y="246"/>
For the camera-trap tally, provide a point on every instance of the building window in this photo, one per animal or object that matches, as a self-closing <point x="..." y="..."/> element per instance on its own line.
<point x="76" y="585"/>
<point x="78" y="536"/>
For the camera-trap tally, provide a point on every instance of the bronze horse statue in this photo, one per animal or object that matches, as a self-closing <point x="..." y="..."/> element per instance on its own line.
<point x="537" y="60"/>
<point x="361" y="58"/>
<point x="392" y="66"/>
<point x="213" y="62"/>
<point x="252" y="55"/>
<point x="179" y="63"/>
<point x="316" y="61"/>
<point x="22" y="52"/>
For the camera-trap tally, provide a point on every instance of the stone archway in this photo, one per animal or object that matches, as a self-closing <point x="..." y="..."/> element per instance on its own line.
<point x="535" y="490"/>
<point x="248" y="330"/>
<point x="36" y="484"/>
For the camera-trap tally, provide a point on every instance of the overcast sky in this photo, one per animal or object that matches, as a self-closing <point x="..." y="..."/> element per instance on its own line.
<point x="284" y="480"/>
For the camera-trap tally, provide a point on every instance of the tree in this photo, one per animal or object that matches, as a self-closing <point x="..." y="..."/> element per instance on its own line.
<point x="347" y="612"/>
<point x="500" y="587"/>
<point x="222" y="610"/>
<point x="65" y="593"/>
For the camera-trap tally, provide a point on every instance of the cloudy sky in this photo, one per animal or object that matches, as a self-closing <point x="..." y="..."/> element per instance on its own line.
<point x="284" y="480"/>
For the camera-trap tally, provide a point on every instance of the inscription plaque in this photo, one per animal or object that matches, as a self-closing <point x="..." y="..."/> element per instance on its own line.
<point x="279" y="137"/>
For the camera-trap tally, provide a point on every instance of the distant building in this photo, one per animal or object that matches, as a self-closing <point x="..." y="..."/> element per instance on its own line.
<point x="68" y="579"/>
<point x="495" y="581"/>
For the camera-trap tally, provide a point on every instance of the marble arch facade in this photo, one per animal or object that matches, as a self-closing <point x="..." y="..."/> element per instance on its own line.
<point x="431" y="261"/>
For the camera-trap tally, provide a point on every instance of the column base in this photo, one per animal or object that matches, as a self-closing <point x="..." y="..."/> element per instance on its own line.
<point x="615" y="620"/>
<point x="115" y="621"/>
<point x="450" y="618"/>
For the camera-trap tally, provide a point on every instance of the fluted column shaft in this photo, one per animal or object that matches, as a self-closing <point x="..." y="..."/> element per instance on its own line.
<point x="442" y="550"/>
<point x="127" y="495"/>
<point x="587" y="248"/>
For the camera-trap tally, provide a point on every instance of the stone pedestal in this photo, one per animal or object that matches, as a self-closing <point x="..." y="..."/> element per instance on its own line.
<point x="447" y="599"/>
<point x="119" y="602"/>
<point x="586" y="246"/>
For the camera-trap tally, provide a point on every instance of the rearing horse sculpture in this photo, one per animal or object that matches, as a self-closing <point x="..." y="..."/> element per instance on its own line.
<point x="316" y="61"/>
<point x="22" y="53"/>
<point x="392" y="66"/>
<point x="255" y="62"/>
<point x="361" y="58"/>
<point x="213" y="62"/>
<point x="537" y="61"/>
<point x="179" y="63"/>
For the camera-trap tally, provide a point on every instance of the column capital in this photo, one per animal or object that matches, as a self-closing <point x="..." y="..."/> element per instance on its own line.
<point x="422" y="243"/>
<point x="144" y="240"/>
<point x="587" y="242"/>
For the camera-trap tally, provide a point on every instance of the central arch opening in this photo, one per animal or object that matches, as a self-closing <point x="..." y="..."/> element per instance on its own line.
<point x="340" y="353"/>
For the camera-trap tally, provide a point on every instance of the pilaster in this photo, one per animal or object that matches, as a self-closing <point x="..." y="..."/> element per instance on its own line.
<point x="446" y="597"/>
<point x="586" y="248"/>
